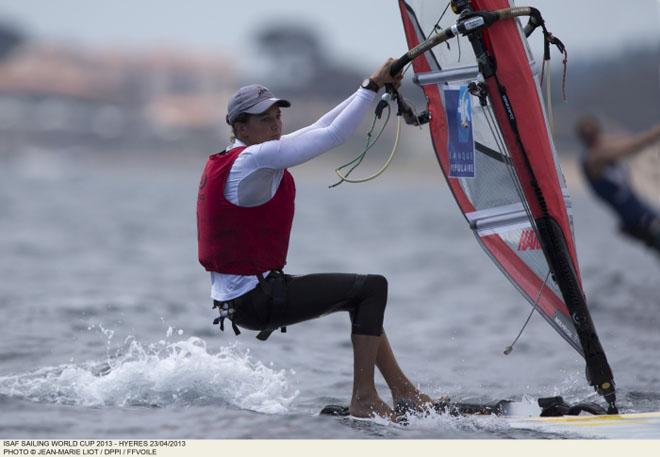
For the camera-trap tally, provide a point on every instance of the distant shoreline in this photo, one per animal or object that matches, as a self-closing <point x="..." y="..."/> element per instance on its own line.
<point x="419" y="167"/>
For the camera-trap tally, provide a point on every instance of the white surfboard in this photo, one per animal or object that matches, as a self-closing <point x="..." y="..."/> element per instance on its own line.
<point x="616" y="426"/>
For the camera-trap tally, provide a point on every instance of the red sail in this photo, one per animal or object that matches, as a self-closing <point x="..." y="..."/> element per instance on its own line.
<point x="491" y="137"/>
<point x="494" y="201"/>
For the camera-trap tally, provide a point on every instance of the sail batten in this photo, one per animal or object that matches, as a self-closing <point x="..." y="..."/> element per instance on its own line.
<point x="499" y="220"/>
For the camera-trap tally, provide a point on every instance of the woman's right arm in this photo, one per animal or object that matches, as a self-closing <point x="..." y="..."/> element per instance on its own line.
<point x="294" y="150"/>
<point x="324" y="120"/>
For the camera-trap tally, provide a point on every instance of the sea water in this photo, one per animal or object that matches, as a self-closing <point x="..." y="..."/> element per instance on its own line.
<point x="107" y="318"/>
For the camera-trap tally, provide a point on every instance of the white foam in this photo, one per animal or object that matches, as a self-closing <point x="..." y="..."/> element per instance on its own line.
<point x="161" y="374"/>
<point x="526" y="407"/>
<point x="433" y="421"/>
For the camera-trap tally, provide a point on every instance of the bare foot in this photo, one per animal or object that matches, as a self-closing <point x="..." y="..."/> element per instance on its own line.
<point x="370" y="407"/>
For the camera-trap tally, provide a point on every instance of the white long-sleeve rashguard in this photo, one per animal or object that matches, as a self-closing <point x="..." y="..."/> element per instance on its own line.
<point x="257" y="172"/>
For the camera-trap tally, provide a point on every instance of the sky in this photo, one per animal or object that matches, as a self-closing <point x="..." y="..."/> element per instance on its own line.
<point x="362" y="32"/>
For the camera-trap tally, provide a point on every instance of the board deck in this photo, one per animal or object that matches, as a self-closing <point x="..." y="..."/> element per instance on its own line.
<point x="602" y="421"/>
<point x="618" y="426"/>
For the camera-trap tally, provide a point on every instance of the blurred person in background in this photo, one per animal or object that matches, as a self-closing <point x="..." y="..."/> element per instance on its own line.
<point x="245" y="211"/>
<point x="609" y="179"/>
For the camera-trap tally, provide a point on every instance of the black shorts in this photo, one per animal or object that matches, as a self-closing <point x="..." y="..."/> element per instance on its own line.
<point x="310" y="296"/>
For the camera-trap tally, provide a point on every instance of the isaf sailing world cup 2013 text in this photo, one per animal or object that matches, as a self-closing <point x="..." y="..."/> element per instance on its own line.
<point x="86" y="447"/>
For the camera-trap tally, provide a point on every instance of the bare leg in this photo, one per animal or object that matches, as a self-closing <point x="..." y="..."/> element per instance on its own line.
<point x="365" y="401"/>
<point x="399" y="384"/>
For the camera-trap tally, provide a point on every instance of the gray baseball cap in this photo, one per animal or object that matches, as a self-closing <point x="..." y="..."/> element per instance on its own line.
<point x="252" y="99"/>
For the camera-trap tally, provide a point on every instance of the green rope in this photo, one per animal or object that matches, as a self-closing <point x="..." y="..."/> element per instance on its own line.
<point x="360" y="157"/>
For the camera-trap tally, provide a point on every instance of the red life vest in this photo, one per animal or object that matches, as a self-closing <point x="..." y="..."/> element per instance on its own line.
<point x="241" y="240"/>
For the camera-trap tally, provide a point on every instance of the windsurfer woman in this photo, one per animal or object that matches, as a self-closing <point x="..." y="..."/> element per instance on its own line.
<point x="245" y="211"/>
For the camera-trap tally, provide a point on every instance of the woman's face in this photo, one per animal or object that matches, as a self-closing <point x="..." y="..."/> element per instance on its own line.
<point x="263" y="127"/>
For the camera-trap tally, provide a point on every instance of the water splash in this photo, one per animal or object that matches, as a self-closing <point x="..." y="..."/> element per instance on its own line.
<point x="435" y="422"/>
<point x="159" y="375"/>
